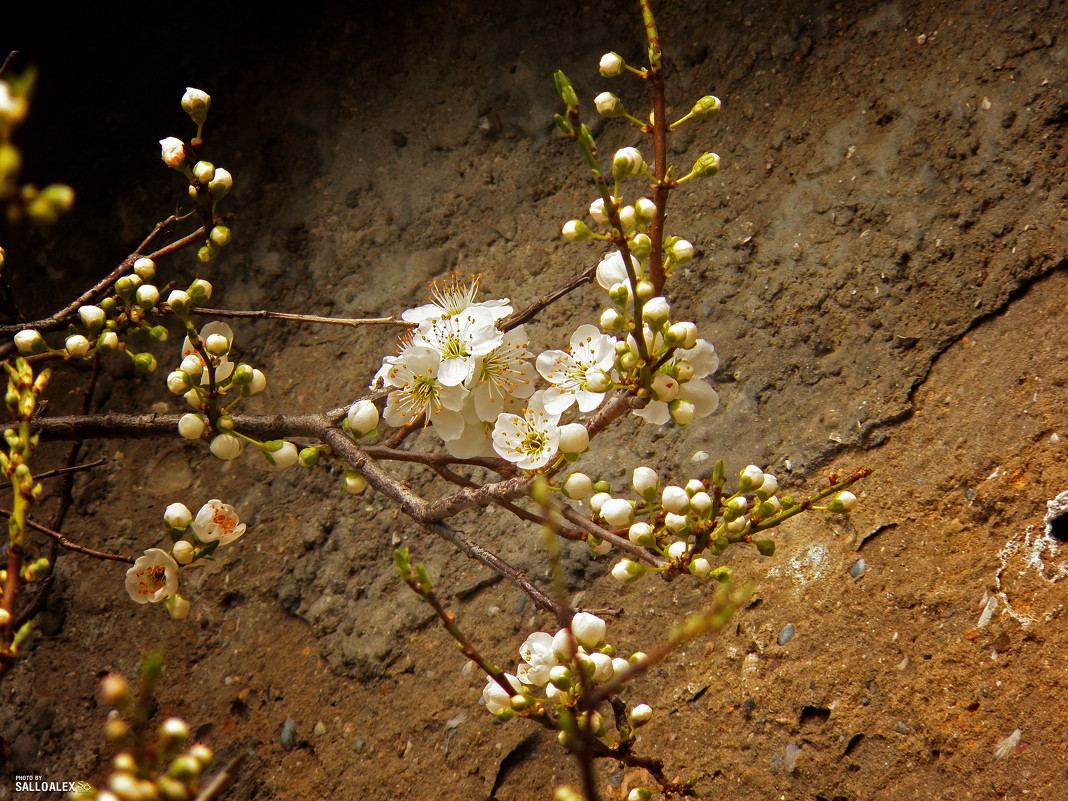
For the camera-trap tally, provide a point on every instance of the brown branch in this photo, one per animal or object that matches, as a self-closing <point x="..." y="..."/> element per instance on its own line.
<point x="605" y="534"/>
<point x="517" y="319"/>
<point x="62" y="471"/>
<point x="263" y="314"/>
<point x="70" y="545"/>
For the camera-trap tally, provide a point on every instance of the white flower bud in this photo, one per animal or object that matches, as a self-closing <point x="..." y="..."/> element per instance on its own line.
<point x="178" y="382"/>
<point x="770" y="507"/>
<point x="29" y="342"/>
<point x="678" y="549"/>
<point x="172" y="151"/>
<point x="199" y="291"/>
<point x="576" y="231"/>
<point x="608" y="105"/>
<point x="737" y="506"/>
<point x="682" y="412"/>
<point x="354" y="483"/>
<point x="700" y="567"/>
<point x="768" y="488"/>
<point x="146" y="296"/>
<point x="221" y="183"/>
<point x="598" y="500"/>
<point x="177" y="516"/>
<point x="640" y="714"/>
<point x="611" y="65"/>
<point x="627" y="163"/>
<point x="563" y="647"/>
<point x="750" y="479"/>
<point x="641" y="533"/>
<point x="596" y="380"/>
<point x="191" y="426"/>
<point x="363" y="417"/>
<point x="599" y="547"/>
<point x="107" y="342"/>
<point x="627" y="572"/>
<point x="619" y="664"/>
<point x="665" y="388"/>
<point x="179" y="610"/>
<point x="682" y="251"/>
<point x="675" y="499"/>
<point x="645" y="481"/>
<point x="612" y="321"/>
<point x="258" y="383"/>
<point x="204" y="171"/>
<point x="706" y="166"/>
<point x="701" y="502"/>
<point x="183" y="551"/>
<point x="285" y="456"/>
<point x="589" y="630"/>
<point x="597" y="211"/>
<point x="93" y="318"/>
<point x="628" y="217"/>
<point x="641" y="246"/>
<point x="145" y="269"/>
<point x="195" y="103"/>
<point x="225" y="447"/>
<point x="77" y="346"/>
<point x="577" y="486"/>
<point x="843" y="503"/>
<point x="574" y="438"/>
<point x="676" y="524"/>
<point x="737" y="525"/>
<point x="220" y="236"/>
<point x="645" y="209"/>
<point x="656" y="311"/>
<point x="617" y="512"/>
<point x="217" y="345"/>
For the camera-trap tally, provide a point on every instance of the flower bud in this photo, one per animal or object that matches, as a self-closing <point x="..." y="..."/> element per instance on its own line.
<point x="640" y="714"/>
<point x="77" y="346"/>
<point x="665" y="388"/>
<point x="172" y="151"/>
<point x="281" y="454"/>
<point x="608" y="105"/>
<point x="599" y="547"/>
<point x="220" y="184"/>
<point x="576" y="231"/>
<point x="363" y="417"/>
<point x="179" y="609"/>
<point x="144" y="268"/>
<point x="842" y="503"/>
<point x="645" y="209"/>
<point x="626" y="163"/>
<point x="617" y="512"/>
<point x="639" y="794"/>
<point x="675" y="499"/>
<point x="676" y="524"/>
<point x="598" y="500"/>
<point x="309" y="457"/>
<point x="707" y="108"/>
<point x="768" y="488"/>
<point x="737" y="526"/>
<point x="217" y="345"/>
<point x="183" y="552"/>
<point x="645" y="289"/>
<point x="146" y="296"/>
<point x="706" y="166"/>
<point x="195" y="103"/>
<point x="107" y="342"/>
<point x="144" y="362"/>
<point x="701" y="502"/>
<point x="225" y="447"/>
<point x="257" y="384"/>
<point x="29" y="342"/>
<point x="656" y="311"/>
<point x="596" y="380"/>
<point x="220" y="236"/>
<point x="682" y="251"/>
<point x="627" y="572"/>
<point x="199" y="291"/>
<point x="589" y="630"/>
<point x="574" y="438"/>
<point x="737" y="506"/>
<point x="641" y="246"/>
<point x="619" y="293"/>
<point x="750" y="479"/>
<point x="611" y="65"/>
<point x="92" y="318"/>
<point x="700" y="567"/>
<point x="177" y="516"/>
<point x="641" y="533"/>
<point x="354" y="482"/>
<point x="682" y="412"/>
<point x="114" y="690"/>
<point x="612" y="321"/>
<point x="645" y="482"/>
<point x="206" y="254"/>
<point x="684" y="371"/>
<point x="597" y="211"/>
<point x="577" y="486"/>
<point x="179" y="303"/>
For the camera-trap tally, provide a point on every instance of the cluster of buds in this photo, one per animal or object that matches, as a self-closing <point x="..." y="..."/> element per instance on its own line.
<point x="208" y="184"/>
<point x="556" y="672"/>
<point x="165" y="766"/>
<point x="41" y="206"/>
<point x="155" y="577"/>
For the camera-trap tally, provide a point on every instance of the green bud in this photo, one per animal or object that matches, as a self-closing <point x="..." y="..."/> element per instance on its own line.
<point x="309" y="456"/>
<point x="564" y="126"/>
<point x="719" y="546"/>
<point x="719" y="475"/>
<point x="199" y="291"/>
<point x="126" y="287"/>
<point x="721" y="573"/>
<point x="220" y="236"/>
<point x="196" y="103"/>
<point x="707" y="108"/>
<point x="565" y="90"/>
<point x="206" y="253"/>
<point x="243" y="374"/>
<point x="706" y="166"/>
<point x="766" y="547"/>
<point x="144" y="362"/>
<point x="608" y="105"/>
<point x="158" y="333"/>
<point x="602" y="486"/>
<point x="185" y="769"/>
<point x="641" y="246"/>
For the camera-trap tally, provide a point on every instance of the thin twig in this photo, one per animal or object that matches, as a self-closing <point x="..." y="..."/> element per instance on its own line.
<point x="263" y="314"/>
<point x="223" y="778"/>
<point x="62" y="471"/>
<point x="70" y="545"/>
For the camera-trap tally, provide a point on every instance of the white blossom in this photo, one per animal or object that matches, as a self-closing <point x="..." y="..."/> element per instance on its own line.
<point x="454" y="297"/>
<point x="530" y="441"/>
<point x="173" y="151"/>
<point x="589" y="630"/>
<point x="579" y="374"/>
<point x="177" y="516"/>
<point x="500" y="374"/>
<point x="419" y="392"/>
<point x="217" y="521"/>
<point x="611" y="270"/>
<point x="497" y="700"/>
<point x="153" y="577"/>
<point x="538" y="657"/>
<point x="458" y="339"/>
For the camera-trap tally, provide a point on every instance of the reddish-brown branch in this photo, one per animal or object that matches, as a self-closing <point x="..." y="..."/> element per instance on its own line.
<point x="69" y="544"/>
